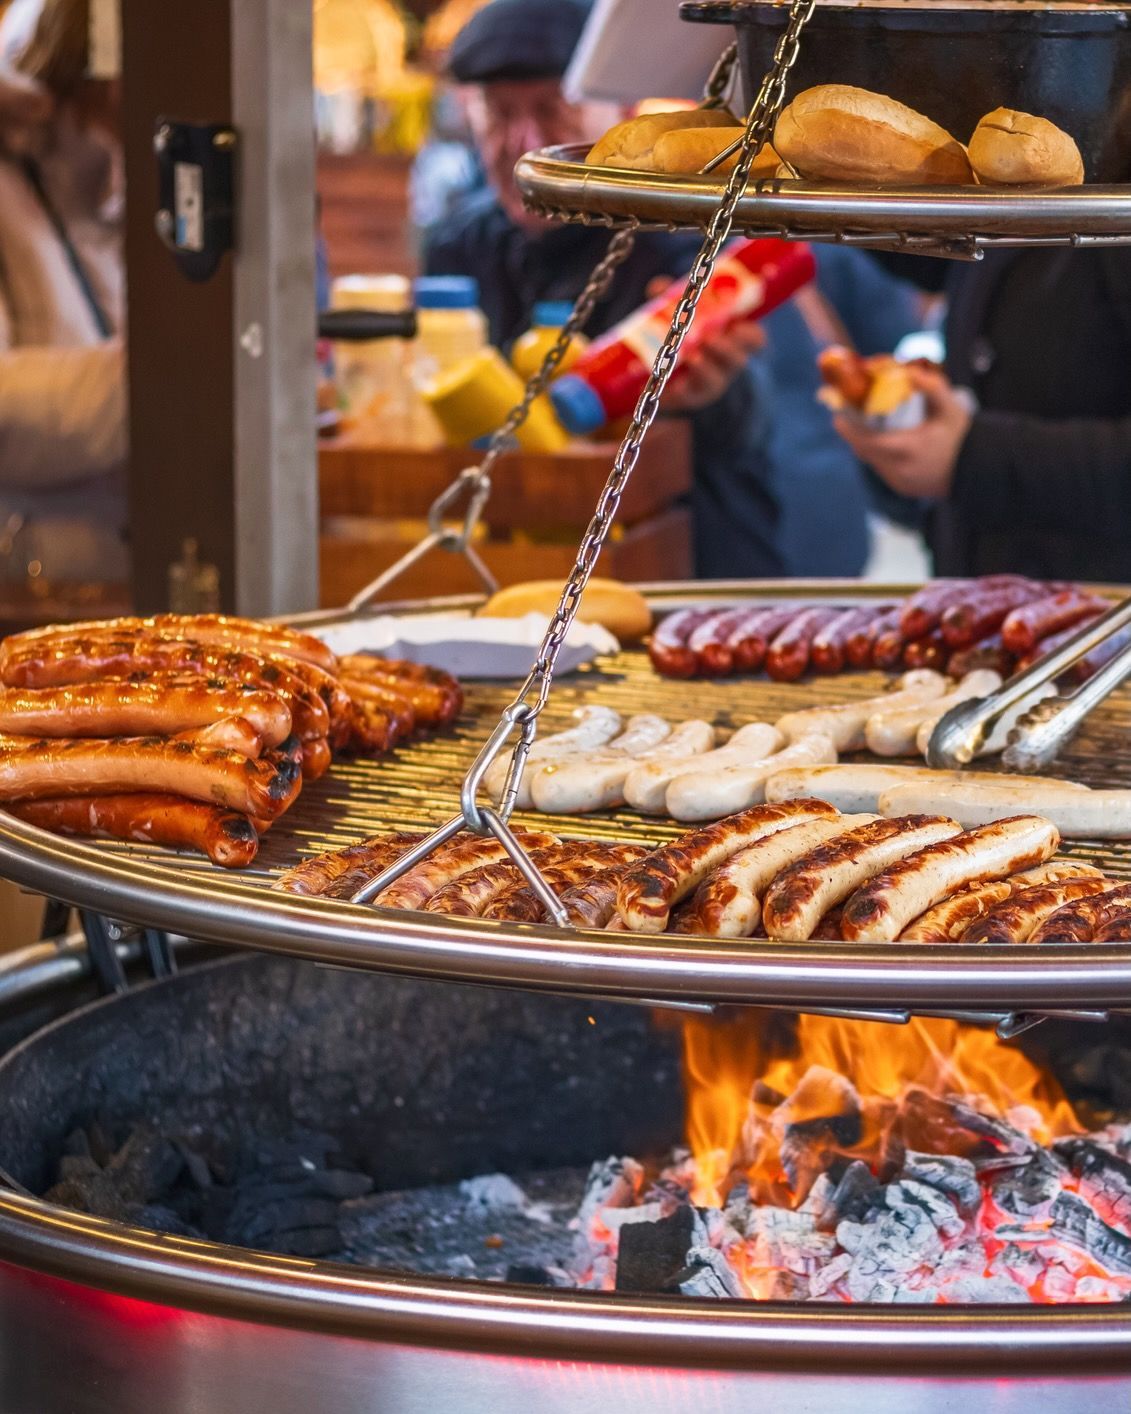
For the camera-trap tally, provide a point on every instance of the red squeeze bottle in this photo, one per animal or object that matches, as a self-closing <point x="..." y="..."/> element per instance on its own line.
<point x="752" y="279"/>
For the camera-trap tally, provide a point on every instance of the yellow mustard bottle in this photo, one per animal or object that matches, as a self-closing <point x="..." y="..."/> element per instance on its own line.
<point x="472" y="399"/>
<point x="532" y="347"/>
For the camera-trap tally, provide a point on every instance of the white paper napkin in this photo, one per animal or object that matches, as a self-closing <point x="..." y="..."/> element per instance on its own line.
<point x="468" y="647"/>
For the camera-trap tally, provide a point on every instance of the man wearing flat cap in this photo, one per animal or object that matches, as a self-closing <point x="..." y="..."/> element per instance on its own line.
<point x="510" y="58"/>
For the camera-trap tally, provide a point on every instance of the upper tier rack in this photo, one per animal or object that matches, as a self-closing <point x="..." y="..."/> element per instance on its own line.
<point x="952" y="221"/>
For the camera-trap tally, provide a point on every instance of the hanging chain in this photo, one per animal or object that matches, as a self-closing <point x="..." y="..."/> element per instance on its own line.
<point x="718" y="84"/>
<point x="531" y="698"/>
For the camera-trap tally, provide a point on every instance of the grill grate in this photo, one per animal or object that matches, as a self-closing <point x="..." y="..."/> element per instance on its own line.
<point x="417" y="787"/>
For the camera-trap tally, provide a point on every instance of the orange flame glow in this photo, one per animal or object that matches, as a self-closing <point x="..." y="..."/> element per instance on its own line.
<point x="738" y="1073"/>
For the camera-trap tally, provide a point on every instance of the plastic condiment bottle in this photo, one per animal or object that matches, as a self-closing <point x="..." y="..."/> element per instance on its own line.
<point x="472" y="399"/>
<point x="450" y="326"/>
<point x="373" y="377"/>
<point x="752" y="279"/>
<point x="532" y="347"/>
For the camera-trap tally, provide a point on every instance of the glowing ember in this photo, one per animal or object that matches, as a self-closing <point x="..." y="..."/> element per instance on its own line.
<point x="855" y="1162"/>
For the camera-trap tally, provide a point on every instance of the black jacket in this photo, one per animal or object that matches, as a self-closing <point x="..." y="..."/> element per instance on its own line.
<point x="734" y="509"/>
<point x="1043" y="481"/>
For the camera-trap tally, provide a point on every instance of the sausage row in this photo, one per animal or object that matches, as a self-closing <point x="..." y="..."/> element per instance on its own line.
<point x="996" y="623"/>
<point x="194" y="732"/>
<point x="794" y="871"/>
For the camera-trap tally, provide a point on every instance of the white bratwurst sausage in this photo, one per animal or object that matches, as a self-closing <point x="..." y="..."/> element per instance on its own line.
<point x="646" y="785"/>
<point x="709" y="795"/>
<point x="844" y="723"/>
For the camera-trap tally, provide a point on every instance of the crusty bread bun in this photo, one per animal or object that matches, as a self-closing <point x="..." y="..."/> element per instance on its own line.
<point x="687" y="150"/>
<point x="619" y="608"/>
<point x="1012" y="148"/>
<point x="629" y="144"/>
<point x="836" y="133"/>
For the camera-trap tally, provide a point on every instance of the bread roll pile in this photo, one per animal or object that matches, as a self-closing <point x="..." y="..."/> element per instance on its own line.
<point x="837" y="133"/>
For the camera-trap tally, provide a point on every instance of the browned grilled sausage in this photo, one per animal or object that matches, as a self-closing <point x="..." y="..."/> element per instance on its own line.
<point x="988" y="654"/>
<point x="245" y="635"/>
<point x="649" y="890"/>
<point x="459" y="856"/>
<point x="927" y="652"/>
<point x="520" y="904"/>
<point x="668" y="646"/>
<point x="364" y="860"/>
<point x="468" y="895"/>
<point x="881" y="909"/>
<point x="887" y="649"/>
<point x="593" y="903"/>
<point x="79" y="660"/>
<point x="1029" y="623"/>
<point x="947" y="921"/>
<point x="1084" y="919"/>
<point x="788" y="655"/>
<point x="751" y="639"/>
<point x="316" y="758"/>
<point x="924" y="609"/>
<point x="984" y="610"/>
<point x="149" y="708"/>
<point x="396" y="705"/>
<point x="225" y="836"/>
<point x="801" y="895"/>
<point x="828" y="651"/>
<point x="228" y="734"/>
<point x="1116" y="927"/>
<point x="372" y="730"/>
<point x="436" y="696"/>
<point x="858" y="649"/>
<point x="123" y="765"/>
<point x="1018" y="918"/>
<point x="710" y="641"/>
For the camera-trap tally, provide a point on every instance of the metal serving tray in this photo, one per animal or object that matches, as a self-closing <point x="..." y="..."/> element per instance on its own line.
<point x="556" y="183"/>
<point x="417" y="787"/>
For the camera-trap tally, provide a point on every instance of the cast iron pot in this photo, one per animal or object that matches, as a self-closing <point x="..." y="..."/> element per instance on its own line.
<point x="955" y="63"/>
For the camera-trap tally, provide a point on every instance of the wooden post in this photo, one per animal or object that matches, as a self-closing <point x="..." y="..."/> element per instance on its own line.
<point x="222" y="372"/>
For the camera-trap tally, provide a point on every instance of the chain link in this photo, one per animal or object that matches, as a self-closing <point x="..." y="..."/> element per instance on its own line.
<point x="719" y="81"/>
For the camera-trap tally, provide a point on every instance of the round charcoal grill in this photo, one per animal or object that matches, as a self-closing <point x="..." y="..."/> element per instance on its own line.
<point x="422" y="1082"/>
<point x="417" y="788"/>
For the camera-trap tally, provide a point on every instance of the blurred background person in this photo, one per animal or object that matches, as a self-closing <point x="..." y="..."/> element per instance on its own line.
<point x="509" y="59"/>
<point x="63" y="430"/>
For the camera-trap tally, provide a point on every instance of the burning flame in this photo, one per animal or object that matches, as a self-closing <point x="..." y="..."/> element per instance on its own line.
<point x="739" y="1073"/>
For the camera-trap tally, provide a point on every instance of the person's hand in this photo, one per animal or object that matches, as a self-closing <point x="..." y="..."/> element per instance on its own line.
<point x="921" y="460"/>
<point x="702" y="378"/>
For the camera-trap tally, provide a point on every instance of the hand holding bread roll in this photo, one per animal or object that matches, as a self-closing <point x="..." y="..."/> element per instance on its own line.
<point x="837" y="133"/>
<point x="630" y="144"/>
<point x="1017" y="149"/>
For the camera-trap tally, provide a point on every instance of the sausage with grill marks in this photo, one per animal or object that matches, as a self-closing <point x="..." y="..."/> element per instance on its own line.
<point x="150" y="708"/>
<point x="650" y="890"/>
<point x="728" y="903"/>
<point x="522" y="904"/>
<point x="123" y="765"/>
<point x="880" y="910"/>
<point x="316" y="875"/>
<point x="1085" y="919"/>
<point x="245" y="635"/>
<point x="395" y="706"/>
<point x="459" y="856"/>
<point x="593" y="903"/>
<point x="1017" y="918"/>
<point x="469" y="894"/>
<point x="947" y="921"/>
<point x="225" y="836"/>
<point x="801" y="895"/>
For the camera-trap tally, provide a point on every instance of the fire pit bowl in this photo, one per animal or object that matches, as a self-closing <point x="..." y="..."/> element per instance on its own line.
<point x="419" y="1084"/>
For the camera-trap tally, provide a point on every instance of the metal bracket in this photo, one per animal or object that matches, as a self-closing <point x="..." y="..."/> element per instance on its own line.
<point x="102" y="938"/>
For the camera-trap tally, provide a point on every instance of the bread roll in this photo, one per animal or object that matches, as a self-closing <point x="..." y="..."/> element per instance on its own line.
<point x="687" y="150"/>
<point x="629" y="144"/>
<point x="835" y="133"/>
<point x="1014" y="149"/>
<point x="622" y="610"/>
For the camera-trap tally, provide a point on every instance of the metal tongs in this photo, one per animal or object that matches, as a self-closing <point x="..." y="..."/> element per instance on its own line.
<point x="1041" y="726"/>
